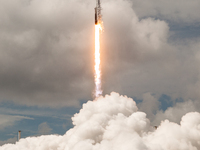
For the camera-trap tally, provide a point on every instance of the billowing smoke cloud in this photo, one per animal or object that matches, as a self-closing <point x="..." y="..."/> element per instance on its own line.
<point x="113" y="122"/>
<point x="45" y="54"/>
<point x="180" y="11"/>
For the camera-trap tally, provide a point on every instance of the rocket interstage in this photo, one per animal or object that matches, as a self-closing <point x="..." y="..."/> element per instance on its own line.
<point x="97" y="67"/>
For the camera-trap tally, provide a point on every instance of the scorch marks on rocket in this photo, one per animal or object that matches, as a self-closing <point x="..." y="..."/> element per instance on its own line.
<point x="98" y="15"/>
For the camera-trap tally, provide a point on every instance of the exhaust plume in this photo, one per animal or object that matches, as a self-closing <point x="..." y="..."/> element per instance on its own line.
<point x="113" y="122"/>
<point x="97" y="69"/>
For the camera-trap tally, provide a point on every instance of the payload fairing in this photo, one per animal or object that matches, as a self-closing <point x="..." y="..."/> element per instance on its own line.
<point x="98" y="12"/>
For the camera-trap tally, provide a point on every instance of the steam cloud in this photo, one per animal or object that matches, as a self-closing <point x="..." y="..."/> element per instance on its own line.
<point x="113" y="122"/>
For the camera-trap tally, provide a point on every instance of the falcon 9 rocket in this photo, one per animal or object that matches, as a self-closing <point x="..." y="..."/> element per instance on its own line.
<point x="98" y="12"/>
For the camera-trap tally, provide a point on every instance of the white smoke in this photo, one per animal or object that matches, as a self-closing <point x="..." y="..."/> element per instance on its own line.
<point x="113" y="122"/>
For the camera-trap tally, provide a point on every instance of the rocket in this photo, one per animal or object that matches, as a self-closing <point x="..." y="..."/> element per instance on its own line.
<point x="97" y="12"/>
<point x="96" y="18"/>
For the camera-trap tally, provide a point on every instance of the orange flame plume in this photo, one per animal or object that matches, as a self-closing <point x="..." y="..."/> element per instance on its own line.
<point x="98" y="91"/>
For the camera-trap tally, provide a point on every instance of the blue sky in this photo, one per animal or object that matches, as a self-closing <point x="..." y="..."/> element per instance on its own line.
<point x="58" y="120"/>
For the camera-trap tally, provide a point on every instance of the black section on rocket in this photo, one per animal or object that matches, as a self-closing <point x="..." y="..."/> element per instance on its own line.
<point x="96" y="18"/>
<point x="98" y="12"/>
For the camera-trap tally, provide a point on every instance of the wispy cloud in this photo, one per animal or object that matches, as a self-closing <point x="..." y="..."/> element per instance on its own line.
<point x="10" y="120"/>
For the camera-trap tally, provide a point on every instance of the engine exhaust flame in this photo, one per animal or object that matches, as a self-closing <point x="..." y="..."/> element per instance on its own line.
<point x="98" y="91"/>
